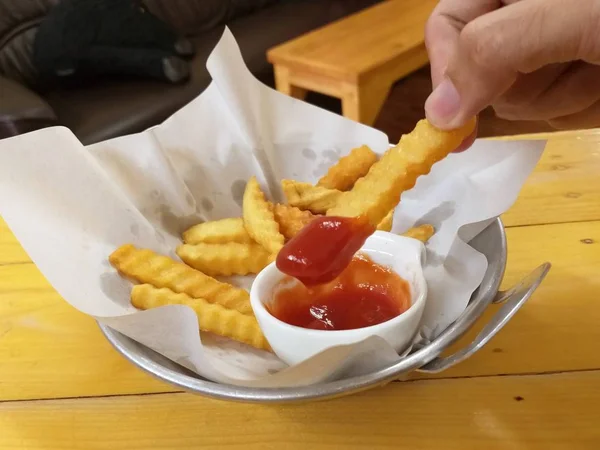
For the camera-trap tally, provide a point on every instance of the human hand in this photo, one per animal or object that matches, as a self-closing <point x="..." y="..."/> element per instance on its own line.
<point x="528" y="59"/>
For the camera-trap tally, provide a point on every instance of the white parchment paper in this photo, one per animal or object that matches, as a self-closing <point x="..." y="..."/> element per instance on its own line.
<point x="70" y="206"/>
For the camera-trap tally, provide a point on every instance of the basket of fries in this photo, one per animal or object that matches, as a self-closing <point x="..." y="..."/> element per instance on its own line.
<point x="173" y="234"/>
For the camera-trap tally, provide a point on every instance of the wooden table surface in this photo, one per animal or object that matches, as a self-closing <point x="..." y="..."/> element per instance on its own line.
<point x="536" y="385"/>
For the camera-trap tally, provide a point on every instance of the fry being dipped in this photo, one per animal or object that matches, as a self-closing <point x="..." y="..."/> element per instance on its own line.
<point x="397" y="171"/>
<point x="326" y="246"/>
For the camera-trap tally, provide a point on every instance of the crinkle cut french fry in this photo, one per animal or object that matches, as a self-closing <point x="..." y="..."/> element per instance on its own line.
<point x="145" y="266"/>
<point x="397" y="171"/>
<point x="218" y="232"/>
<point x="423" y="232"/>
<point x="386" y="223"/>
<point x="316" y="199"/>
<point x="291" y="219"/>
<point x="227" y="259"/>
<point x="343" y="174"/>
<point x="259" y="219"/>
<point x="212" y="318"/>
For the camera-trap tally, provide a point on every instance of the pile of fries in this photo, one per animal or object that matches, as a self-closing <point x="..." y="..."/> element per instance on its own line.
<point x="358" y="184"/>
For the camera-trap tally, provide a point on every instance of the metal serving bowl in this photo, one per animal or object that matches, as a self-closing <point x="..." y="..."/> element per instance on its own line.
<point x="491" y="242"/>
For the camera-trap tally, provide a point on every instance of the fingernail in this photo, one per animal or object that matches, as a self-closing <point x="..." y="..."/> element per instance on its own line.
<point x="443" y="104"/>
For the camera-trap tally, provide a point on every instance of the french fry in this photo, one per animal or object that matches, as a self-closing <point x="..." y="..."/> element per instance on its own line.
<point x="212" y="318"/>
<point x="291" y="219"/>
<point x="386" y="223"/>
<point x="423" y="232"/>
<point x="259" y="219"/>
<point x="218" y="232"/>
<point x="316" y="199"/>
<point x="343" y="174"/>
<point x="145" y="266"/>
<point x="397" y="171"/>
<point x="227" y="259"/>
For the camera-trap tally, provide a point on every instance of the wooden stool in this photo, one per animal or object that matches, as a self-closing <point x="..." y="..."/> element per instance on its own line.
<point x="356" y="59"/>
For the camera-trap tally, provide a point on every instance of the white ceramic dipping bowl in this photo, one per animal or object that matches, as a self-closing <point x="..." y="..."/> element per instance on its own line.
<point x="295" y="344"/>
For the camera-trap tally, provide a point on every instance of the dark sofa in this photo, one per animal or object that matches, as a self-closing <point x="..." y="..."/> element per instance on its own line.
<point x="107" y="108"/>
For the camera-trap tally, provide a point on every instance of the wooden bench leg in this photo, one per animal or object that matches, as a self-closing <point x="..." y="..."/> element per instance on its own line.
<point x="362" y="103"/>
<point x="284" y="85"/>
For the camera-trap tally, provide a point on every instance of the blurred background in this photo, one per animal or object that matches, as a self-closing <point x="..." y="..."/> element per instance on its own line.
<point x="105" y="68"/>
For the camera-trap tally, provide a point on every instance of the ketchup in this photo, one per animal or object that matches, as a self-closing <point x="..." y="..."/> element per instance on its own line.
<point x="364" y="294"/>
<point x="323" y="248"/>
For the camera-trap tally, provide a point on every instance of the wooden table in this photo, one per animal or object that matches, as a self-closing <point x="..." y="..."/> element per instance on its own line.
<point x="536" y="385"/>
<point x="357" y="58"/>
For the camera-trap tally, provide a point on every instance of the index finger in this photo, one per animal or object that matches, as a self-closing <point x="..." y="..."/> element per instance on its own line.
<point x="444" y="26"/>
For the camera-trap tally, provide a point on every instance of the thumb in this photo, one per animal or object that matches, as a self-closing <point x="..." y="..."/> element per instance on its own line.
<point x="495" y="48"/>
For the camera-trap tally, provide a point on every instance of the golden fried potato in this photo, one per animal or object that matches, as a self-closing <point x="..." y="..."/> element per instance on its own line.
<point x="218" y="232"/>
<point x="259" y="219"/>
<point x="227" y="259"/>
<point x="291" y="219"/>
<point x="211" y="317"/>
<point x="386" y="223"/>
<point x="375" y="194"/>
<point x="145" y="266"/>
<point x="423" y="232"/>
<point x="316" y="199"/>
<point x="343" y="174"/>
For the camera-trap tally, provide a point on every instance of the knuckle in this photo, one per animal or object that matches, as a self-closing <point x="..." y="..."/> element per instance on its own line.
<point x="430" y="30"/>
<point x="481" y="45"/>
<point x="433" y="33"/>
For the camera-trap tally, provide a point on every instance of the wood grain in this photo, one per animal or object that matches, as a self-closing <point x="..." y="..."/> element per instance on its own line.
<point x="284" y="84"/>
<point x="565" y="185"/>
<point x="50" y="350"/>
<point x="558" y="328"/>
<point x="547" y="412"/>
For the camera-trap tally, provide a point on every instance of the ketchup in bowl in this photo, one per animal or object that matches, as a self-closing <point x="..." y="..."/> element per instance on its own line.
<point x="364" y="294"/>
<point x="323" y="248"/>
